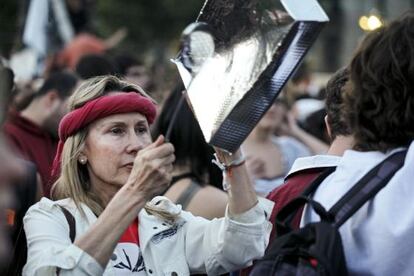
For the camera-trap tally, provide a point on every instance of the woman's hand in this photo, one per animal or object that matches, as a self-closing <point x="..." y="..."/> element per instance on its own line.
<point x="151" y="173"/>
<point x="150" y="176"/>
<point x="291" y="128"/>
<point x="242" y="196"/>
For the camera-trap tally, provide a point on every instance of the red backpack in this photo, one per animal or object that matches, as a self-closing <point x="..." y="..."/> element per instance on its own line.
<point x="294" y="185"/>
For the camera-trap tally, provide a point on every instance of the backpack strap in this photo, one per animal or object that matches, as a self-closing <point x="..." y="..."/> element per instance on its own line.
<point x="71" y="222"/>
<point x="72" y="229"/>
<point x="315" y="184"/>
<point x="367" y="187"/>
<point x="186" y="196"/>
<point x="286" y="215"/>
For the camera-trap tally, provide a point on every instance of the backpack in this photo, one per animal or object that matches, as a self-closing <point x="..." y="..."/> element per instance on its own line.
<point x="294" y="185"/>
<point x="316" y="248"/>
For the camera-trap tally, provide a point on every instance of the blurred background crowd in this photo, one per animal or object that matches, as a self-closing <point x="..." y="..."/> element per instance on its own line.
<point x="47" y="47"/>
<point x="149" y="30"/>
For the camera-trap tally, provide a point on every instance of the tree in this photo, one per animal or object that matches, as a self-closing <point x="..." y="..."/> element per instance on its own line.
<point x="151" y="24"/>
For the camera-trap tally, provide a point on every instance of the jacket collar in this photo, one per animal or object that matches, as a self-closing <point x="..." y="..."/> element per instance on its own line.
<point x="312" y="162"/>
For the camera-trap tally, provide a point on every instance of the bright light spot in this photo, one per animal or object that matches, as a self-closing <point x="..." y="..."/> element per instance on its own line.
<point x="374" y="22"/>
<point x="363" y="23"/>
<point x="370" y="23"/>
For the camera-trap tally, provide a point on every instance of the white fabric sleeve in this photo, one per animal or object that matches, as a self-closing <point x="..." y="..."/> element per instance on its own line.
<point x="229" y="243"/>
<point x="50" y="247"/>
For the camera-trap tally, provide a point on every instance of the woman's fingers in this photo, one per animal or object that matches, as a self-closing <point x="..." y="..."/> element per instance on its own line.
<point x="163" y="166"/>
<point x="160" y="151"/>
<point x="153" y="167"/>
<point x="167" y="160"/>
<point x="169" y="168"/>
<point x="154" y="163"/>
<point x="158" y="142"/>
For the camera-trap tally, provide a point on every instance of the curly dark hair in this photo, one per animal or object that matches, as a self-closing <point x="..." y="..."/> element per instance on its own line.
<point x="379" y="103"/>
<point x="333" y="105"/>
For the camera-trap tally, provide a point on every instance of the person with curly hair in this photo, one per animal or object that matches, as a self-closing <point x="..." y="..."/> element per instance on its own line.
<point x="378" y="108"/>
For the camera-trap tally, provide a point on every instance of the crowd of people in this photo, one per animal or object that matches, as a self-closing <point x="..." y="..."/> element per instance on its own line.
<point x="90" y="185"/>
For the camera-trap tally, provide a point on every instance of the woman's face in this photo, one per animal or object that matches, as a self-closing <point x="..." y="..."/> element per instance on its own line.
<point x="274" y="117"/>
<point x="112" y="144"/>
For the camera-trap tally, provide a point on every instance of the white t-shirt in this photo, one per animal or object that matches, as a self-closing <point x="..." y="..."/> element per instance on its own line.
<point x="127" y="254"/>
<point x="378" y="238"/>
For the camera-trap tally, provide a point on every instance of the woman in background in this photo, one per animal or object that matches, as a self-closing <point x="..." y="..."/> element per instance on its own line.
<point x="270" y="157"/>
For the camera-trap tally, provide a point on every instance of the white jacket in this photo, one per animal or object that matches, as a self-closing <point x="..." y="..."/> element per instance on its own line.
<point x="198" y="245"/>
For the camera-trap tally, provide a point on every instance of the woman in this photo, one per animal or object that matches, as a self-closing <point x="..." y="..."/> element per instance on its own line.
<point x="193" y="169"/>
<point x="270" y="157"/>
<point x="110" y="171"/>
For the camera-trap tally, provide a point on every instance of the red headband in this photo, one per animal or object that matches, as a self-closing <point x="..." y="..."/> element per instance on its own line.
<point x="96" y="109"/>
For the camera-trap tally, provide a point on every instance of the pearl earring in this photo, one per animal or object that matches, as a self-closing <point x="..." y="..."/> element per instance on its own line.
<point x="82" y="160"/>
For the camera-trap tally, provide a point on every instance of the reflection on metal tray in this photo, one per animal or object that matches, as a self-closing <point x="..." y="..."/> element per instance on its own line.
<point x="237" y="61"/>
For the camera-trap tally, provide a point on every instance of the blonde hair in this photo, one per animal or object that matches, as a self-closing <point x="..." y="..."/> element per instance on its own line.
<point x="73" y="181"/>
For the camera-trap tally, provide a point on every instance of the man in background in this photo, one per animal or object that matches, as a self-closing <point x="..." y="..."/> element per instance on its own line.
<point x="33" y="131"/>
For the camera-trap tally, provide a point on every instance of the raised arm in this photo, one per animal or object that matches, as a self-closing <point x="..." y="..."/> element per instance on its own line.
<point x="242" y="196"/>
<point x="232" y="242"/>
<point x="314" y="144"/>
